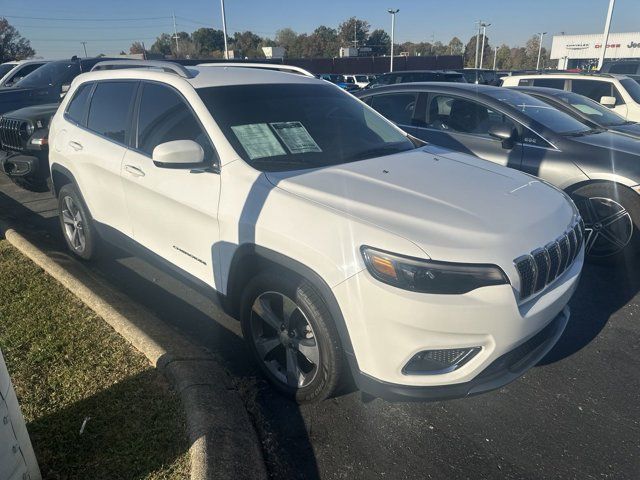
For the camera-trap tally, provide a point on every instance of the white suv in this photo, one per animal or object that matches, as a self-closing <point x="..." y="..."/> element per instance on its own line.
<point x="342" y="246"/>
<point x="618" y="92"/>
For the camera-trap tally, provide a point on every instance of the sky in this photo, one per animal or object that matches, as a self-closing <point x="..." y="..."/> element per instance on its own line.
<point x="56" y="27"/>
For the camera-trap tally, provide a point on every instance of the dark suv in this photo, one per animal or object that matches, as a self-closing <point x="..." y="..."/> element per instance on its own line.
<point x="26" y="109"/>
<point x="412" y="76"/>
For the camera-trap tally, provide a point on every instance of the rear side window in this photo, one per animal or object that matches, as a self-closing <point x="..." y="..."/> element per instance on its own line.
<point x="550" y="83"/>
<point x="623" y="68"/>
<point x="77" y="108"/>
<point x="525" y="82"/>
<point x="593" y="89"/>
<point x="397" y="107"/>
<point x="109" y="111"/>
<point x="165" y="117"/>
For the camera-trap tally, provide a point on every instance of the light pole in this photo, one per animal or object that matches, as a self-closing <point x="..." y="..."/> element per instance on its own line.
<point x="542" y="34"/>
<point x="484" y="35"/>
<point x="495" y="58"/>
<point x="224" y="30"/>
<point x="84" y="45"/>
<point x="607" y="26"/>
<point x="393" y="32"/>
<point x="475" y="65"/>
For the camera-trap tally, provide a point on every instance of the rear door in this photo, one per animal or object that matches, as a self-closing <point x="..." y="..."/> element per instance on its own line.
<point x="463" y="125"/>
<point x="174" y="211"/>
<point x="95" y="143"/>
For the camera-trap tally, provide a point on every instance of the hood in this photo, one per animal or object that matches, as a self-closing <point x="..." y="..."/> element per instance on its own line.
<point x="455" y="207"/>
<point x="15" y="98"/>
<point x="632" y="129"/>
<point x="35" y="111"/>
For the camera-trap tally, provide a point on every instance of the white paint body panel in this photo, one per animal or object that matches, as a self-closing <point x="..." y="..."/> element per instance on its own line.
<point x="422" y="203"/>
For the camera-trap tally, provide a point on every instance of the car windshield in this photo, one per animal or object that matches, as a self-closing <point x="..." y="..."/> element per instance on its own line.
<point x="6" y="68"/>
<point x="54" y="73"/>
<point x="632" y="87"/>
<point x="595" y="111"/>
<point x="280" y="127"/>
<point x="361" y="78"/>
<point x="542" y="113"/>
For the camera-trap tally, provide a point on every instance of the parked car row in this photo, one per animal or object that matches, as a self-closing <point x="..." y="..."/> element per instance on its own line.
<point x="346" y="246"/>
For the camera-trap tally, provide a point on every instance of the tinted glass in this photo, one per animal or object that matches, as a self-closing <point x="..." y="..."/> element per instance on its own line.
<point x="54" y="73"/>
<point x="632" y="87"/>
<point x="539" y="111"/>
<point x="6" y="68"/>
<point x="464" y="116"/>
<point x="165" y="117"/>
<point x="109" y="110"/>
<point x="549" y="82"/>
<point x="78" y="105"/>
<point x="623" y="68"/>
<point x="525" y="82"/>
<point x="595" y="111"/>
<point x="292" y="127"/>
<point x="361" y="78"/>
<point x="591" y="88"/>
<point x="397" y="107"/>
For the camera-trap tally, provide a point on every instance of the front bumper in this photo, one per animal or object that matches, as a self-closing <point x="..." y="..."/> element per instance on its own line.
<point x="388" y="326"/>
<point x="24" y="164"/>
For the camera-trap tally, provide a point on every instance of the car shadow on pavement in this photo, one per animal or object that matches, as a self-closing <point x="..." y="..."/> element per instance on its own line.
<point x="126" y="435"/>
<point x="603" y="290"/>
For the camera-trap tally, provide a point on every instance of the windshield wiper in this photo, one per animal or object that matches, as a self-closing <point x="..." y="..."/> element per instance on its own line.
<point x="583" y="133"/>
<point x="375" y="152"/>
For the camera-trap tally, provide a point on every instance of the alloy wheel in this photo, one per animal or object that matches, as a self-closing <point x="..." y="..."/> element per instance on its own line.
<point x="73" y="224"/>
<point x="284" y="339"/>
<point x="608" y="226"/>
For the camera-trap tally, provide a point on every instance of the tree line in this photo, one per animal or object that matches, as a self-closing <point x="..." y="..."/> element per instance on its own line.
<point x="323" y="42"/>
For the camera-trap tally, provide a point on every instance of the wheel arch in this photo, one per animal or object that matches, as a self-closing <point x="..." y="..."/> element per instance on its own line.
<point x="250" y="260"/>
<point x="602" y="181"/>
<point x="61" y="176"/>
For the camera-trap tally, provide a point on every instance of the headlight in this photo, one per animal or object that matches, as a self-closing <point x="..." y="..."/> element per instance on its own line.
<point x="29" y="128"/>
<point x="429" y="276"/>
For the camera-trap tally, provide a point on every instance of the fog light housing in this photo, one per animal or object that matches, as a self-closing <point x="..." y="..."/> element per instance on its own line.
<point x="438" y="362"/>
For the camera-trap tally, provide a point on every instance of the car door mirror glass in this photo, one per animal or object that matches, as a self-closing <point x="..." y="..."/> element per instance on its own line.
<point x="178" y="154"/>
<point x="608" y="101"/>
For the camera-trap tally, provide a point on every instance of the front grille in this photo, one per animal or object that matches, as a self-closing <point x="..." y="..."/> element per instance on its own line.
<point x="542" y="266"/>
<point x="11" y="133"/>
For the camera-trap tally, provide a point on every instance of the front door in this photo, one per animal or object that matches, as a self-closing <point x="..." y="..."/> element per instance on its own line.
<point x="173" y="210"/>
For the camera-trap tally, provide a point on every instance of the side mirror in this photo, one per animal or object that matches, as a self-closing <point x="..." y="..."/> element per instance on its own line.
<point x="609" y="102"/>
<point x="64" y="89"/>
<point x="178" y="154"/>
<point x="504" y="133"/>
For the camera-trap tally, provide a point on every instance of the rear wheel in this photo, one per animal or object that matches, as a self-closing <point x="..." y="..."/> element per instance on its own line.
<point x="292" y="336"/>
<point x="611" y="215"/>
<point x="77" y="226"/>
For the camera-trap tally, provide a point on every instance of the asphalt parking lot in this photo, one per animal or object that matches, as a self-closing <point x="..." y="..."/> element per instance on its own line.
<point x="575" y="415"/>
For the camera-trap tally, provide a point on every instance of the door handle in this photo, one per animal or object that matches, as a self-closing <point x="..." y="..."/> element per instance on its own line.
<point x="75" y="145"/>
<point x="135" y="171"/>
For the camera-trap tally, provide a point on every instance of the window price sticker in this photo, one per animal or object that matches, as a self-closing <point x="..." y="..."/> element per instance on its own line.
<point x="296" y="137"/>
<point x="258" y="140"/>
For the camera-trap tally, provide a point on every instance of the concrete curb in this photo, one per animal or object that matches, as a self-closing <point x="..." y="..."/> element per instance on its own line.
<point x="223" y="442"/>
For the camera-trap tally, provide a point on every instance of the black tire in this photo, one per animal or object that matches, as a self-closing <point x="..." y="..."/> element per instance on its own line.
<point x="86" y="249"/>
<point x="611" y="214"/>
<point x="329" y="370"/>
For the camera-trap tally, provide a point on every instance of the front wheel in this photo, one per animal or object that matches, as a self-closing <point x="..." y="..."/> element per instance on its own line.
<point x="292" y="336"/>
<point x="611" y="215"/>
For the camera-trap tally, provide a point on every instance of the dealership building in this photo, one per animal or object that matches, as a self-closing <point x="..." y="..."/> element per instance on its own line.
<point x="580" y="51"/>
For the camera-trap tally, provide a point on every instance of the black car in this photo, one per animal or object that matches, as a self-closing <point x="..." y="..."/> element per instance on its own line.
<point x="25" y="110"/>
<point x="412" y="76"/>
<point x="599" y="169"/>
<point x="482" y="76"/>
<point x="584" y="109"/>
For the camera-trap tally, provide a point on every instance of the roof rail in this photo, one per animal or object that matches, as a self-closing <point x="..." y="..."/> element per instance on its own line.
<point x="265" y="66"/>
<point x="169" y="67"/>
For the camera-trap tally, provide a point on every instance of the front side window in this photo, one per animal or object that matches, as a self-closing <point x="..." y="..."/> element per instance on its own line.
<point x="537" y="110"/>
<point x="595" y="111"/>
<point x="164" y="117"/>
<point x="278" y="127"/>
<point x="109" y="110"/>
<point x="593" y="89"/>
<point x="397" y="107"/>
<point x="77" y="108"/>
<point x="464" y="116"/>
<point x="54" y="73"/>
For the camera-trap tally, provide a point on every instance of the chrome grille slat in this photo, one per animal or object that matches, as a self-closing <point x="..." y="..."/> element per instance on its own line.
<point x="10" y="137"/>
<point x="544" y="265"/>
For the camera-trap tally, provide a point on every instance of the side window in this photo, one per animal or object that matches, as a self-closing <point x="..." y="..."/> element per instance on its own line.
<point x="165" y="117"/>
<point x="77" y="108"/>
<point x="525" y="82"/>
<point x="397" y="107"/>
<point x="23" y="72"/>
<point x="464" y="116"/>
<point x="593" y="89"/>
<point x="550" y="83"/>
<point x="623" y="68"/>
<point x="109" y="110"/>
